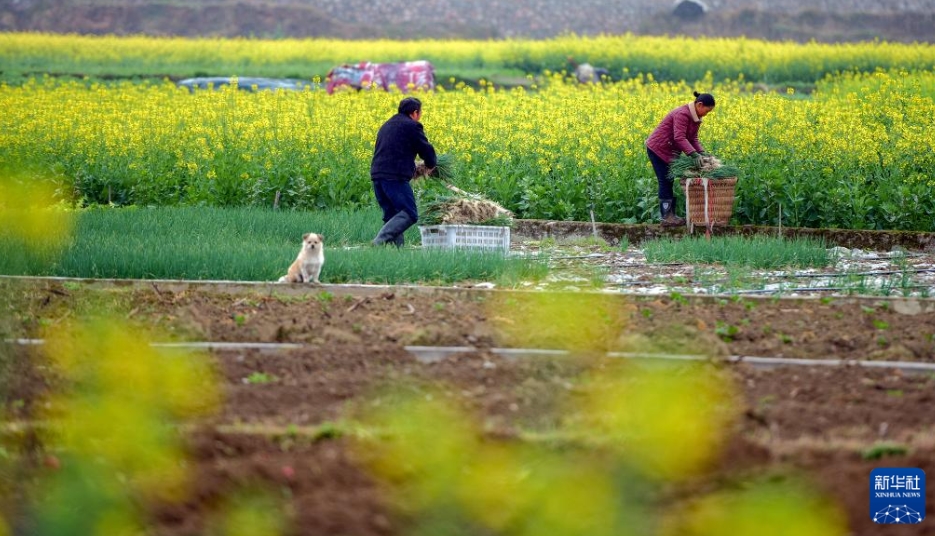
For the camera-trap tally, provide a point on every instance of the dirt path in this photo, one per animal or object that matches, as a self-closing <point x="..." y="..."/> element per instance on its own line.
<point x="293" y="432"/>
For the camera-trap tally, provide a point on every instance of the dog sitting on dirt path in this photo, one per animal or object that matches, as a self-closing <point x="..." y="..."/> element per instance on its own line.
<point x="307" y="266"/>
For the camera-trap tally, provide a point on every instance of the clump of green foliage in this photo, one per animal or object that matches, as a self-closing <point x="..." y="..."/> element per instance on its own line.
<point x="157" y="243"/>
<point x="758" y="252"/>
<point x="882" y="450"/>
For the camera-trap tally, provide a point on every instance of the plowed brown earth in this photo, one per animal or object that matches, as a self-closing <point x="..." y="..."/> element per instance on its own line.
<point x="816" y="423"/>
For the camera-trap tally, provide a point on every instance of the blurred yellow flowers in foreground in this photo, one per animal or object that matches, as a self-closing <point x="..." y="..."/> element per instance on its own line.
<point x="115" y="424"/>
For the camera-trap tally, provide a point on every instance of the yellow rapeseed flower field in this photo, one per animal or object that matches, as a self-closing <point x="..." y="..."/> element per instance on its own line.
<point x="669" y="58"/>
<point x="854" y="154"/>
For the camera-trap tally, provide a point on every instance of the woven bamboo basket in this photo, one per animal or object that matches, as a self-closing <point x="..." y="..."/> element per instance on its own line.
<point x="710" y="204"/>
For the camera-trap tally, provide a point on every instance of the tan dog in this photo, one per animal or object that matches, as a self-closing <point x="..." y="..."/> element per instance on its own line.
<point x="307" y="266"/>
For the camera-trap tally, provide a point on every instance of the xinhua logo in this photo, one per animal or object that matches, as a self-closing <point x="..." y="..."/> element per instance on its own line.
<point x="897" y="495"/>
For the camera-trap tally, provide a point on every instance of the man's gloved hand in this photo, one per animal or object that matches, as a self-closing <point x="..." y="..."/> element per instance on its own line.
<point x="696" y="157"/>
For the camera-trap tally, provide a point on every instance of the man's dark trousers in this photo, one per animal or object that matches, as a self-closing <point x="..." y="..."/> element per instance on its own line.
<point x="399" y="210"/>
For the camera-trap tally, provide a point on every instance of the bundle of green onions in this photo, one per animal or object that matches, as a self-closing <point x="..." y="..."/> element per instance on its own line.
<point x="708" y="166"/>
<point x="444" y="168"/>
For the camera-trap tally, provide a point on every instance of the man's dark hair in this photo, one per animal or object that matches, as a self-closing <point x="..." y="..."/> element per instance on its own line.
<point x="705" y="98"/>
<point x="409" y="105"/>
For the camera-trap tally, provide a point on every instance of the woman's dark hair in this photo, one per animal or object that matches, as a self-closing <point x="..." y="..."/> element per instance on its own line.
<point x="704" y="98"/>
<point x="409" y="105"/>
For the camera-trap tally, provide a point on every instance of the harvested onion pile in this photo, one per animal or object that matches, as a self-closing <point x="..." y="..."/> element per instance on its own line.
<point x="442" y="203"/>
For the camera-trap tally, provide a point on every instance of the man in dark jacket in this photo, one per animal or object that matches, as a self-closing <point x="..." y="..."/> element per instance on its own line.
<point x="399" y="141"/>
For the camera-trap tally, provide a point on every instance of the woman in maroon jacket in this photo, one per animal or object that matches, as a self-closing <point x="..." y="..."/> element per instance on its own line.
<point x="677" y="133"/>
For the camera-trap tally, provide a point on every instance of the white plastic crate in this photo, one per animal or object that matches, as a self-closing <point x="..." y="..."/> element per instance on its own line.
<point x="466" y="237"/>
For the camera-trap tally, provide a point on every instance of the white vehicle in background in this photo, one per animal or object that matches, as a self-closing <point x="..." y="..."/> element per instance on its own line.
<point x="247" y="83"/>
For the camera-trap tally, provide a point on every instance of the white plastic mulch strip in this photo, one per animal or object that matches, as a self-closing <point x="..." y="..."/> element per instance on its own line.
<point x="229" y="345"/>
<point x="433" y="354"/>
<point x="192" y="345"/>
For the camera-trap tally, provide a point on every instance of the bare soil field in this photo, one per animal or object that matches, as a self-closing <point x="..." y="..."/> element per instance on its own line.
<point x="338" y="345"/>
